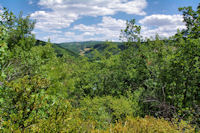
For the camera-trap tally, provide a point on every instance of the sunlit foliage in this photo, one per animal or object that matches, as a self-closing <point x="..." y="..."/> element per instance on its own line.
<point x="149" y="86"/>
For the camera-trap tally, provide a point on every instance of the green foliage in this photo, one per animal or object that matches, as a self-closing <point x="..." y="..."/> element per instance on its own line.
<point x="21" y="102"/>
<point x="21" y="63"/>
<point x="44" y="88"/>
<point x="106" y="110"/>
<point x="87" y="48"/>
<point x="149" y="125"/>
<point x="61" y="117"/>
<point x="19" y="30"/>
<point x="3" y="49"/>
<point x="192" y="20"/>
<point x="132" y="32"/>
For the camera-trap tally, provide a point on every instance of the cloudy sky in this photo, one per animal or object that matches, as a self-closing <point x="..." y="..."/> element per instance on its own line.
<point x="85" y="20"/>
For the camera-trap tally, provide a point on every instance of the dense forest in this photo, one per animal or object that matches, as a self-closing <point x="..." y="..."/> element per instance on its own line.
<point x="140" y="85"/>
<point x="87" y="48"/>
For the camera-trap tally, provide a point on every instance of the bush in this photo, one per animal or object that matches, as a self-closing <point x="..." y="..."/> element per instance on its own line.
<point x="106" y="110"/>
<point x="149" y="125"/>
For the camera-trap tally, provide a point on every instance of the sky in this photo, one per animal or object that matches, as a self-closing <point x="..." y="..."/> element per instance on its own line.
<point x="99" y="20"/>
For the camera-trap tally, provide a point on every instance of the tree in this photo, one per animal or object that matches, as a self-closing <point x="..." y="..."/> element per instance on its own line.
<point x="132" y="32"/>
<point x="192" y="20"/>
<point x="17" y="42"/>
<point x="3" y="50"/>
<point x="19" y="30"/>
<point x="22" y="101"/>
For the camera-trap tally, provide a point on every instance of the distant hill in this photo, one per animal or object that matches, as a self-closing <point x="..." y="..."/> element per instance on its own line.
<point x="58" y="49"/>
<point x="85" y="48"/>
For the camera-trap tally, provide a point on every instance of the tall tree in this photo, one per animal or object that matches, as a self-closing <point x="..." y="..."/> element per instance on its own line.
<point x="19" y="30"/>
<point x="192" y="20"/>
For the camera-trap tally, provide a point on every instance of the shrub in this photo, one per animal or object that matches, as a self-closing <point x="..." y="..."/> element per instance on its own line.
<point x="106" y="110"/>
<point x="149" y="125"/>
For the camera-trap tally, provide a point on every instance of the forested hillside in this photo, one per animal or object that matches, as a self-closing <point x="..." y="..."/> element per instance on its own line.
<point x="143" y="86"/>
<point x="87" y="48"/>
<point x="60" y="51"/>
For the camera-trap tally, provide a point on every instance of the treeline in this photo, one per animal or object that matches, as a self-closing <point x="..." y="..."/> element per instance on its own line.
<point x="150" y="86"/>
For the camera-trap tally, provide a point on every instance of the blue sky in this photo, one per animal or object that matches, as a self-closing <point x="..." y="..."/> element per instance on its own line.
<point x="85" y="20"/>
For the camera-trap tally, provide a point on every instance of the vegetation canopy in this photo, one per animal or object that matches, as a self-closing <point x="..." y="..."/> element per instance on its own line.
<point x="136" y="86"/>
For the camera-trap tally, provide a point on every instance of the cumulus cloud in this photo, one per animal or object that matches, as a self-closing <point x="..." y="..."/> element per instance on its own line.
<point x="96" y="7"/>
<point x="30" y="2"/>
<point x="108" y="29"/>
<point x="164" y="25"/>
<point x="61" y="13"/>
<point x="161" y="19"/>
<point x="46" y="21"/>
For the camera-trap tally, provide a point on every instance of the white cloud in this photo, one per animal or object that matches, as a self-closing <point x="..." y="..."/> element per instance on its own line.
<point x="112" y="23"/>
<point x="61" y="13"/>
<point x="47" y="21"/>
<point x="30" y="2"/>
<point x="163" y="25"/>
<point x="161" y="19"/>
<point x="108" y="29"/>
<point x="69" y="34"/>
<point x="96" y="7"/>
<point x="1" y="7"/>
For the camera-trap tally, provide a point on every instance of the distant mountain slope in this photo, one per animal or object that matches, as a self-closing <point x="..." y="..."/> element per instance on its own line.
<point x="58" y="49"/>
<point x="85" y="48"/>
